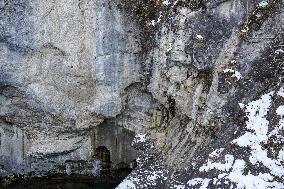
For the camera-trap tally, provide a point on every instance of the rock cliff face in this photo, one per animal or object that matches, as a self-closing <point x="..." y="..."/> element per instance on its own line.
<point x="199" y="82"/>
<point x="65" y="66"/>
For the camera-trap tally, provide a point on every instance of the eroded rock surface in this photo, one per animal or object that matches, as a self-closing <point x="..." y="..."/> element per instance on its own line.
<point x="199" y="82"/>
<point x="217" y="72"/>
<point x="64" y="68"/>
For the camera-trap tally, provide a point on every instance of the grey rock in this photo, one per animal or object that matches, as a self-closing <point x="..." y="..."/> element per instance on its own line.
<point x="181" y="75"/>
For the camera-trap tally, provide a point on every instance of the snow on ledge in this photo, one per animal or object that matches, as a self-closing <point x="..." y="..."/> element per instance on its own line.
<point x="231" y="169"/>
<point x="257" y="134"/>
<point x="126" y="184"/>
<point x="140" y="138"/>
<point x="235" y="73"/>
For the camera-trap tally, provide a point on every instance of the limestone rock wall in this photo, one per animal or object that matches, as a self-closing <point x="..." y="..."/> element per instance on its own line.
<point x="201" y="60"/>
<point x="64" y="66"/>
<point x="201" y="80"/>
<point x="13" y="147"/>
<point x="217" y="73"/>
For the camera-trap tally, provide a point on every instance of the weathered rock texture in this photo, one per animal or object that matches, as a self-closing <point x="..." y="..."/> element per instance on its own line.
<point x="65" y="66"/>
<point x="217" y="72"/>
<point x="203" y="80"/>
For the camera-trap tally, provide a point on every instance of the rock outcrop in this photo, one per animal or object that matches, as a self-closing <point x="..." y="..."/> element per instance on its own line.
<point x="65" y="66"/>
<point x="200" y="83"/>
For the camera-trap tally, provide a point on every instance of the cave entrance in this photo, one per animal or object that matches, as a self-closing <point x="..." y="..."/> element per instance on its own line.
<point x="103" y="154"/>
<point x="112" y="145"/>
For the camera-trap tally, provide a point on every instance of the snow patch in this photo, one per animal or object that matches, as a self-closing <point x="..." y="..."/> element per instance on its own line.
<point x="257" y="123"/>
<point x="260" y="181"/>
<point x="257" y="134"/>
<point x="170" y="47"/>
<point x="229" y="160"/>
<point x="263" y="4"/>
<point x="179" y="187"/>
<point x="279" y="51"/>
<point x="140" y="138"/>
<point x="199" y="181"/>
<point x="235" y="73"/>
<point x="199" y="37"/>
<point x="280" y="110"/>
<point x="216" y="153"/>
<point x="126" y="184"/>
<point x="166" y="2"/>
<point x="281" y="92"/>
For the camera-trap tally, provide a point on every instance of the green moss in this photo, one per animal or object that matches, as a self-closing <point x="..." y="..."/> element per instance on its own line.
<point x="276" y="178"/>
<point x="277" y="150"/>
<point x="264" y="146"/>
<point x="163" y="115"/>
<point x="120" y="6"/>
<point x="207" y="77"/>
<point x="192" y="4"/>
<point x="229" y="76"/>
<point x="273" y="145"/>
<point x="171" y="106"/>
<point x="258" y="17"/>
<point x="158" y="118"/>
<point x="248" y="168"/>
<point x="279" y="100"/>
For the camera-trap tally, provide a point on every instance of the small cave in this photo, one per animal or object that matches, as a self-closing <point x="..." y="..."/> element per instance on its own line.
<point x="111" y="159"/>
<point x="103" y="155"/>
<point x="111" y="145"/>
<point x="112" y="155"/>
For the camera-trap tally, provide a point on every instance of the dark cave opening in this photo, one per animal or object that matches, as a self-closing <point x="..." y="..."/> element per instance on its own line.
<point x="112" y="145"/>
<point x="103" y="154"/>
<point x="112" y="155"/>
